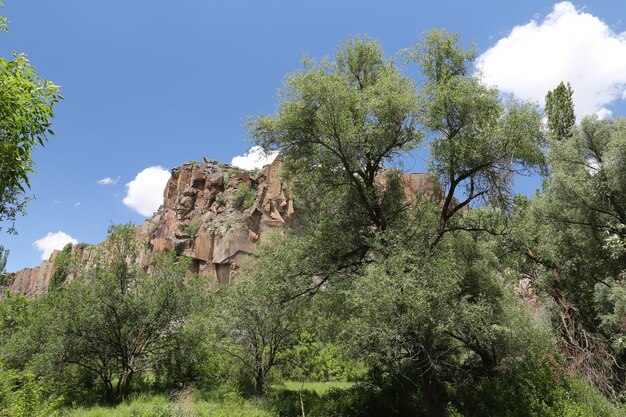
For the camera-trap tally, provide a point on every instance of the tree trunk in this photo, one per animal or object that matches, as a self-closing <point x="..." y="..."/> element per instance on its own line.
<point x="568" y="314"/>
<point x="123" y="386"/>
<point x="259" y="383"/>
<point x="433" y="391"/>
<point x="109" y="393"/>
<point x="435" y="396"/>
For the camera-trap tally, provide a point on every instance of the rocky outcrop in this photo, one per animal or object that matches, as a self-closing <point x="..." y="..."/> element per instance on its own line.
<point x="35" y="281"/>
<point x="214" y="213"/>
<point x="218" y="214"/>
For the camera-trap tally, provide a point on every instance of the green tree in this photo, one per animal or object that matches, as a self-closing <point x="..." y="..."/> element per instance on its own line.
<point x="480" y="141"/>
<point x="439" y="319"/>
<point x="64" y="264"/>
<point x="571" y="240"/>
<point x="256" y="321"/>
<point x="560" y="111"/>
<point x="13" y="315"/>
<point x="26" y="102"/>
<point x="339" y="122"/>
<point x="115" y="320"/>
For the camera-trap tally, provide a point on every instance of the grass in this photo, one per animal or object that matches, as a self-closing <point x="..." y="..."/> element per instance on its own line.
<point x="319" y="388"/>
<point x="231" y="406"/>
<point x="158" y="406"/>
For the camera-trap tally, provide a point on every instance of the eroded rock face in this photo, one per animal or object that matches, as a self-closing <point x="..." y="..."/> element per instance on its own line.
<point x="212" y="212"/>
<point x="32" y="282"/>
<point x="217" y="215"/>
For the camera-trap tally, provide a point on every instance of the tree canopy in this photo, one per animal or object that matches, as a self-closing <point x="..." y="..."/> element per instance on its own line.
<point x="341" y="121"/>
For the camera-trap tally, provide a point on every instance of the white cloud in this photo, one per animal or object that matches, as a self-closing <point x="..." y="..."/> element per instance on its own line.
<point x="76" y="204"/>
<point x="569" y="45"/>
<point x="254" y="158"/>
<point x="145" y="193"/>
<point x="604" y="113"/>
<point x="53" y="241"/>
<point x="108" y="181"/>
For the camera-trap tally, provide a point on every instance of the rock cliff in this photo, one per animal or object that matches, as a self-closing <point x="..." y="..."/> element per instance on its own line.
<point x="215" y="213"/>
<point x="212" y="212"/>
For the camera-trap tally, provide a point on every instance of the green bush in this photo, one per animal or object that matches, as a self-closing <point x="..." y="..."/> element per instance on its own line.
<point x="319" y="361"/>
<point x="64" y="265"/>
<point x="244" y="196"/>
<point x="192" y="228"/>
<point x="23" y="395"/>
<point x="532" y="391"/>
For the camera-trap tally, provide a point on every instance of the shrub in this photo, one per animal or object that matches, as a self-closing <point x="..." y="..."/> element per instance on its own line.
<point x="244" y="196"/>
<point x="64" y="264"/>
<point x="22" y="395"/>
<point x="192" y="228"/>
<point x="532" y="391"/>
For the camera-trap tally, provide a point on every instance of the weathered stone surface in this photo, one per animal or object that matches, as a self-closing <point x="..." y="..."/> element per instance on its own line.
<point x="32" y="282"/>
<point x="526" y="292"/>
<point x="203" y="244"/>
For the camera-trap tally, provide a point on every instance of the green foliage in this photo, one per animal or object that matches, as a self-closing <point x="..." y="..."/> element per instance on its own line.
<point x="317" y="361"/>
<point x="244" y="196"/>
<point x="532" y="392"/>
<point x="192" y="228"/>
<point x="3" y="20"/>
<point x="64" y="264"/>
<point x="348" y="118"/>
<point x="480" y="140"/>
<point x="26" y="102"/>
<point x="560" y="111"/>
<point x="610" y="303"/>
<point x="13" y="315"/>
<point x="111" y="324"/>
<point x="22" y="395"/>
<point x="570" y="239"/>
<point x="259" y="344"/>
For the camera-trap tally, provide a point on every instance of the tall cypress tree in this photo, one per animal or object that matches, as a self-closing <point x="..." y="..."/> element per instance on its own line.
<point x="560" y="111"/>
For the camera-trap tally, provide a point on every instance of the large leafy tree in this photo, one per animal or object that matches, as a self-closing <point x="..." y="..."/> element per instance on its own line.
<point x="440" y="320"/>
<point x="339" y="122"/>
<point x="256" y="321"/>
<point x="572" y="238"/>
<point x="110" y="324"/>
<point x="480" y="141"/>
<point x="26" y="102"/>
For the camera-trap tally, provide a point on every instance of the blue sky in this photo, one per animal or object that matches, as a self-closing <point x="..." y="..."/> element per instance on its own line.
<point x="156" y="83"/>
